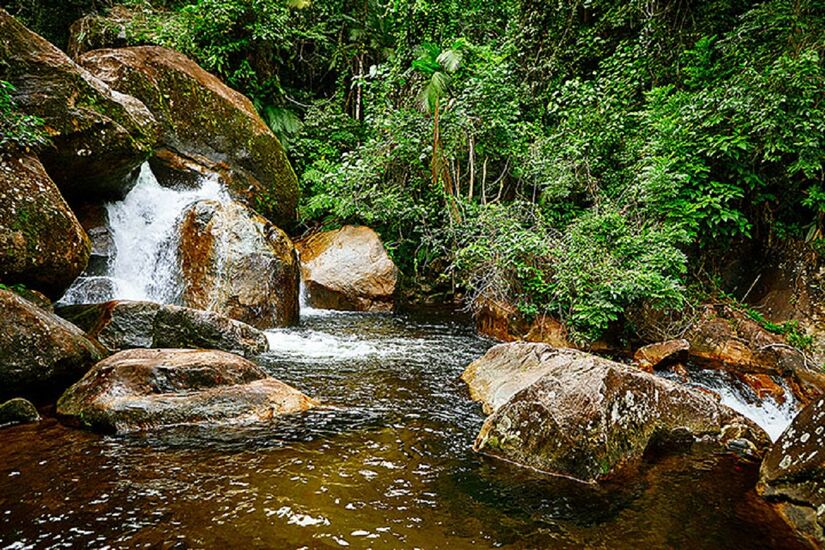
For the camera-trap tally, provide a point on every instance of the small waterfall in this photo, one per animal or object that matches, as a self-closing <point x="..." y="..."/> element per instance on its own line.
<point x="142" y="227"/>
<point x="769" y="414"/>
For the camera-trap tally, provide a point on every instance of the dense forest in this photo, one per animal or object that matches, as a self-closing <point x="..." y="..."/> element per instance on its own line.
<point x="412" y="273"/>
<point x="593" y="160"/>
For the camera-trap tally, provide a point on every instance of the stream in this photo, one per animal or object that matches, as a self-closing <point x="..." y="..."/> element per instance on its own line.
<point x="386" y="462"/>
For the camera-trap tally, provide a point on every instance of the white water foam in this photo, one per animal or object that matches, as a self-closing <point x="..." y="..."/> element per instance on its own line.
<point x="311" y="344"/>
<point x="142" y="228"/>
<point x="769" y="414"/>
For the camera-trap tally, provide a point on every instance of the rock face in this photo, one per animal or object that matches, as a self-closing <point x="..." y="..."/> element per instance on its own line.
<point x="122" y="324"/>
<point x="348" y="269"/>
<point x="17" y="411"/>
<point x="40" y="352"/>
<point x="570" y="413"/>
<point x="236" y="263"/>
<point x="793" y="473"/>
<point x="661" y="354"/>
<point x="207" y="128"/>
<point x="41" y="242"/>
<point x="148" y="389"/>
<point x="727" y="338"/>
<point x="100" y="136"/>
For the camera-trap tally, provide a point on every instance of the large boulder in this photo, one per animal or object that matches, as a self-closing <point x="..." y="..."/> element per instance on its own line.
<point x="348" y="269"/>
<point x="792" y="475"/>
<point x="41" y="242"/>
<point x="141" y="389"/>
<point x="207" y="127"/>
<point x="123" y="324"/>
<point x="100" y="137"/>
<point x="40" y="353"/>
<point x="569" y="413"/>
<point x="236" y="263"/>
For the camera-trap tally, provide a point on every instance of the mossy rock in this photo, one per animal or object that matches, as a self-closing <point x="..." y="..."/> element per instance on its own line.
<point x="99" y="137"/>
<point x="206" y="127"/>
<point x="18" y="411"/>
<point x="40" y="353"/>
<point x="42" y="244"/>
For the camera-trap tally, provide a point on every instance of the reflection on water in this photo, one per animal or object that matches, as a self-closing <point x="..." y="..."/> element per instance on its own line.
<point x="385" y="464"/>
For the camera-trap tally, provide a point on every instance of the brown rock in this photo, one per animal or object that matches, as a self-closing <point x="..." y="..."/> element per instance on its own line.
<point x="764" y="386"/>
<point x="99" y="136"/>
<point x="41" y="242"/>
<point x="661" y="354"/>
<point x="727" y="338"/>
<point x="348" y="269"/>
<point x="792" y="475"/>
<point x="578" y="415"/>
<point x="236" y="263"/>
<point x="39" y="352"/>
<point x="206" y="127"/>
<point x="143" y="389"/>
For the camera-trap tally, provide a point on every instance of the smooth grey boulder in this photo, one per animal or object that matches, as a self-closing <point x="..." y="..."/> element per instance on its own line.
<point x="125" y="324"/>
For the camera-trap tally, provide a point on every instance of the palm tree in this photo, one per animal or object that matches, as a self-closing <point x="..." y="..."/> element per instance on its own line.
<point x="438" y="66"/>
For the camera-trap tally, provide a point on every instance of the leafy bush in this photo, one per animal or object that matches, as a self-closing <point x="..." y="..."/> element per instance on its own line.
<point x="18" y="131"/>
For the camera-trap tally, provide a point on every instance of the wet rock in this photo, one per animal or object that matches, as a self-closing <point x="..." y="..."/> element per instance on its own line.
<point x="41" y="242"/>
<point x="179" y="327"/>
<point x="18" y="411"/>
<point x="137" y="390"/>
<point x="207" y="128"/>
<point x="236" y="263"/>
<point x="90" y="290"/>
<point x="661" y="354"/>
<point x="99" y="136"/>
<point x="39" y="352"/>
<point x="569" y="413"/>
<point x="727" y="338"/>
<point x="792" y="475"/>
<point x="348" y="269"/>
<point x="124" y="324"/>
<point x="764" y="386"/>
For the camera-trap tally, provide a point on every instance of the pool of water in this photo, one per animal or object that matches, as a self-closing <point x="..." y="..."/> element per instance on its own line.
<point x="385" y="463"/>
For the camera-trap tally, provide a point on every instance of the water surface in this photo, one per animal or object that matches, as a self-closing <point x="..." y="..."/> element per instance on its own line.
<point x="385" y="464"/>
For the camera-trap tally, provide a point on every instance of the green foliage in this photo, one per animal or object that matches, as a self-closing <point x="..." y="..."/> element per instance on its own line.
<point x="18" y="131"/>
<point x="574" y="158"/>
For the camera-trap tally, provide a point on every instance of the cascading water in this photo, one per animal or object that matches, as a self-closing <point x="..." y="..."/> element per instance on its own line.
<point x="770" y="414"/>
<point x="142" y="229"/>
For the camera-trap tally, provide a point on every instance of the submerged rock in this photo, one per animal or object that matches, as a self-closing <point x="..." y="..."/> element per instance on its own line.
<point x="18" y="411"/>
<point x="236" y="263"/>
<point x="124" y="324"/>
<point x="39" y="352"/>
<point x="792" y="475"/>
<point x="138" y="390"/>
<point x="348" y="269"/>
<point x="569" y="413"/>
<point x="41" y="242"/>
<point x="207" y="127"/>
<point x="99" y="136"/>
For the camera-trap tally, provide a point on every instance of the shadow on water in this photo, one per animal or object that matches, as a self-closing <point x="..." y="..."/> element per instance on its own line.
<point x="385" y="463"/>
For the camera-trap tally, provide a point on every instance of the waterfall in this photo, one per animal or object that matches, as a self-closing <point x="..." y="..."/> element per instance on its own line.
<point x="144" y="265"/>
